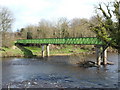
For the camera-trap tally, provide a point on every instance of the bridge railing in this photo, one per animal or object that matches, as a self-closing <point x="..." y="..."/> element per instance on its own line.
<point x="80" y="40"/>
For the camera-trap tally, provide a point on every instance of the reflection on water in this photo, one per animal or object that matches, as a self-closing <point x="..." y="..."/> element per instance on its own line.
<point x="56" y="72"/>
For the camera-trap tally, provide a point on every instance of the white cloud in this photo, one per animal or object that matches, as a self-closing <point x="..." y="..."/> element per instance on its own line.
<point x="78" y="8"/>
<point x="31" y="11"/>
<point x="26" y="11"/>
<point x="74" y="8"/>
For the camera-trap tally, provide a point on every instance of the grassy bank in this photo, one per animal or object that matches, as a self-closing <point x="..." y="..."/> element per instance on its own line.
<point x="65" y="50"/>
<point x="10" y="52"/>
<point x="54" y="50"/>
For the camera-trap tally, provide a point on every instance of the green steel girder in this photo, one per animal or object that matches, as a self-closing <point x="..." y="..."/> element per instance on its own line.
<point x="81" y="40"/>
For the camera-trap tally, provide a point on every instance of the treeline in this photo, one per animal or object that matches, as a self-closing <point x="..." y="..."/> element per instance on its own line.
<point x="63" y="28"/>
<point x="6" y="21"/>
<point x="105" y="25"/>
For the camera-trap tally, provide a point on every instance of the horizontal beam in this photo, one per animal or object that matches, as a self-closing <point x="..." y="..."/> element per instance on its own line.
<point x="81" y="40"/>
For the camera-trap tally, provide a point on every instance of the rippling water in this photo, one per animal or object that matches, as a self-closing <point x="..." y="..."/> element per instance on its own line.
<point x="56" y="72"/>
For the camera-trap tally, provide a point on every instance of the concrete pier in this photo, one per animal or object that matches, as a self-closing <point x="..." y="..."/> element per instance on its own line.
<point x="47" y="50"/>
<point x="105" y="56"/>
<point x="43" y="51"/>
<point x="101" y="55"/>
<point x="98" y="55"/>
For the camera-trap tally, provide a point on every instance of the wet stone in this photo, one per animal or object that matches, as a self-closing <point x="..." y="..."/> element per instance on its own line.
<point x="34" y="83"/>
<point x="68" y="80"/>
<point x="99" y="84"/>
<point x="29" y="83"/>
<point x="115" y="84"/>
<point x="106" y="85"/>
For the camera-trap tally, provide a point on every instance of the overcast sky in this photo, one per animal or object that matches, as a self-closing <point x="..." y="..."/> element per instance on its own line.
<point x="32" y="11"/>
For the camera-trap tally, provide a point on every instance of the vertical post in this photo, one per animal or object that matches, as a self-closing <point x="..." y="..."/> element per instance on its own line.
<point x="43" y="52"/>
<point x="47" y="50"/>
<point x="105" y="56"/>
<point x="98" y="55"/>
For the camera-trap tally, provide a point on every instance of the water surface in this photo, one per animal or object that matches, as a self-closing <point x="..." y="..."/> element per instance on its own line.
<point x="57" y="72"/>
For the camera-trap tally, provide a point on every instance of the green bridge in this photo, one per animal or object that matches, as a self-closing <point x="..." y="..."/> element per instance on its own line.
<point x="81" y="40"/>
<point x="101" y="51"/>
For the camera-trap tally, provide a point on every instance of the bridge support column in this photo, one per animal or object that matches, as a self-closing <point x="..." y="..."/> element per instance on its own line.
<point x="47" y="50"/>
<point x="43" y="51"/>
<point x="104" y="56"/>
<point x="101" y="54"/>
<point x="98" y="55"/>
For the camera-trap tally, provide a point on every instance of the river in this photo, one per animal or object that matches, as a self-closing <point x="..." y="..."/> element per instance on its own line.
<point x="56" y="72"/>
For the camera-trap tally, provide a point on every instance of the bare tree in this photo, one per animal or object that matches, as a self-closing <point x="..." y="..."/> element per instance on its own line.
<point x="62" y="27"/>
<point x="80" y="28"/>
<point x="6" y="19"/>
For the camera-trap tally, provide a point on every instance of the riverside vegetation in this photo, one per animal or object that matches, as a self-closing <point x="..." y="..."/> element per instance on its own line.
<point x="78" y="55"/>
<point x="101" y="25"/>
<point x="54" y="50"/>
<point x="72" y="50"/>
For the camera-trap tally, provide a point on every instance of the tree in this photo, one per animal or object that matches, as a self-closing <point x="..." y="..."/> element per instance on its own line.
<point x="108" y="28"/>
<point x="23" y="33"/>
<point x="45" y="29"/>
<point x="62" y="28"/>
<point x="6" y="19"/>
<point x="80" y="28"/>
<point x="29" y="35"/>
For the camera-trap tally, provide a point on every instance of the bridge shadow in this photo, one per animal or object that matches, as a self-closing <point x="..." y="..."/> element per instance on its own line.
<point x="27" y="52"/>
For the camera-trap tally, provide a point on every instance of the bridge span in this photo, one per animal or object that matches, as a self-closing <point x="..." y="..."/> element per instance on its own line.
<point x="101" y="46"/>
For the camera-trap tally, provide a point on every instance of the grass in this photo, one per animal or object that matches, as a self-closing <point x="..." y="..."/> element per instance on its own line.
<point x="67" y="49"/>
<point x="35" y="50"/>
<point x="9" y="52"/>
<point x="60" y="50"/>
<point x="64" y="50"/>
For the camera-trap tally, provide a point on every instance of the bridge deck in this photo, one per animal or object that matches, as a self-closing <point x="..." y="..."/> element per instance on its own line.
<point x="81" y="40"/>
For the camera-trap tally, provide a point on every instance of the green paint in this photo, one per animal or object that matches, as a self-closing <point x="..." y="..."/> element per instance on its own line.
<point x="81" y="40"/>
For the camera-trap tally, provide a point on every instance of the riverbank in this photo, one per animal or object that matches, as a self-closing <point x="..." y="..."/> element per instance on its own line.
<point x="54" y="50"/>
